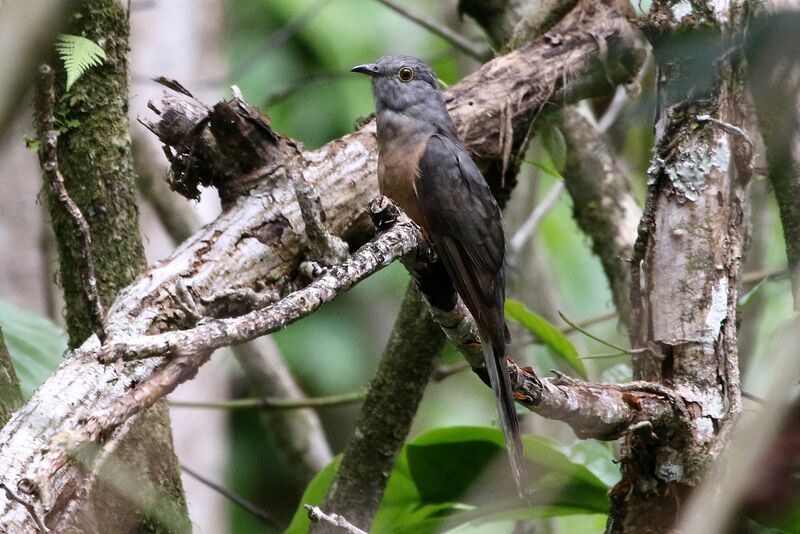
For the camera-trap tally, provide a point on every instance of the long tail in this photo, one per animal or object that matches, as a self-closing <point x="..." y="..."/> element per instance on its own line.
<point x="495" y="357"/>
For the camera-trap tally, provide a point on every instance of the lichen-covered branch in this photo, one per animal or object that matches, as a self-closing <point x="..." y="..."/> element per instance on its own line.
<point x="299" y="436"/>
<point x="48" y="159"/>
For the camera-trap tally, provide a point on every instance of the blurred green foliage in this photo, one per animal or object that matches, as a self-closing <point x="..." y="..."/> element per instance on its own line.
<point x="34" y="343"/>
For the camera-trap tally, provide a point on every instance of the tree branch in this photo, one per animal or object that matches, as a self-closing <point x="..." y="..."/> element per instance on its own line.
<point x="298" y="433"/>
<point x="773" y="83"/>
<point x="474" y="50"/>
<point x="604" y="205"/>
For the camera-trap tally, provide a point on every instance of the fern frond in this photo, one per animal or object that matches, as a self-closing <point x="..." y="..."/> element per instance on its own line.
<point x="79" y="54"/>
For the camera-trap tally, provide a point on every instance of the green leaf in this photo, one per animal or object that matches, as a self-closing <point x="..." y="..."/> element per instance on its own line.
<point x="314" y="495"/>
<point x="556" y="146"/>
<point x="446" y="451"/>
<point x="547" y="333"/>
<point x="443" y="479"/>
<point x="546" y="167"/>
<point x="79" y="54"/>
<point x="35" y="344"/>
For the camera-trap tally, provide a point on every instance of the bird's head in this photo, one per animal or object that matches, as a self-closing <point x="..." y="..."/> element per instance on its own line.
<point x="401" y="83"/>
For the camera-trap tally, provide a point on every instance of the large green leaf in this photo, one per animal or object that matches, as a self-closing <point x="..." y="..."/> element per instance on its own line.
<point x="547" y="333"/>
<point x="442" y="480"/>
<point x="35" y="344"/>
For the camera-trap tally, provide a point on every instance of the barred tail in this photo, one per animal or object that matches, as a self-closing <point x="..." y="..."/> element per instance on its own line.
<point x="495" y="357"/>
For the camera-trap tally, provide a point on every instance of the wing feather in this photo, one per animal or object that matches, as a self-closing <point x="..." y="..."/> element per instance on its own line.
<point x="465" y="224"/>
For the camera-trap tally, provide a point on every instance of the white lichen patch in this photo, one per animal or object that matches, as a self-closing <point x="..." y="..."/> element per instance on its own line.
<point x="717" y="311"/>
<point x="704" y="429"/>
<point x="708" y="398"/>
<point x="669" y="465"/>
<point x="681" y="9"/>
<point x="688" y="172"/>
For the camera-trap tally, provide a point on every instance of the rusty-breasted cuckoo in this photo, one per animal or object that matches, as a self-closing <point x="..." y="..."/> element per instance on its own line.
<point x="425" y="169"/>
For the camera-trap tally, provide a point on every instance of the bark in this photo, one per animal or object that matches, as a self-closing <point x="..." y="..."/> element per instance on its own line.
<point x="95" y="161"/>
<point x="10" y="393"/>
<point x="257" y="243"/>
<point x="384" y="421"/>
<point x="686" y="268"/>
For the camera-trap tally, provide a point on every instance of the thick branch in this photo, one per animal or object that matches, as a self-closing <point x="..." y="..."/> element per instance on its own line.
<point x="298" y="434"/>
<point x="687" y="257"/>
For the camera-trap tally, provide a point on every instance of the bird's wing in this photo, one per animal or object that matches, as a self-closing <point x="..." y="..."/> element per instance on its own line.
<point x="466" y="228"/>
<point x="465" y="225"/>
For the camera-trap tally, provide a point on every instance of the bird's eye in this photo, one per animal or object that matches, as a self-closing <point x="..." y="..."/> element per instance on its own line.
<point x="406" y="74"/>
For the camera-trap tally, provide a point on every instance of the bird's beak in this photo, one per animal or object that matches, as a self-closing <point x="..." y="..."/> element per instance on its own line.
<point x="369" y="69"/>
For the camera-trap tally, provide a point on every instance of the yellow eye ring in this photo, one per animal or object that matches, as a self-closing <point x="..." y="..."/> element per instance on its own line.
<point x="406" y="74"/>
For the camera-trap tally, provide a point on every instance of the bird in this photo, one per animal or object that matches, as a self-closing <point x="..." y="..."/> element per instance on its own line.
<point x="424" y="168"/>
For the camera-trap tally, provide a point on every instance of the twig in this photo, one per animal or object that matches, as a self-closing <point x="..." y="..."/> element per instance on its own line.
<point x="756" y="277"/>
<point x="583" y="324"/>
<point x="48" y="159"/>
<point x="238" y="500"/>
<point x="465" y="45"/>
<point x="276" y="404"/>
<point x="440" y="372"/>
<point x="754" y="398"/>
<point x="316" y="514"/>
<point x="291" y="88"/>
<point x="528" y="228"/>
<point x="604" y="355"/>
<point x="28" y="506"/>
<point x="598" y="339"/>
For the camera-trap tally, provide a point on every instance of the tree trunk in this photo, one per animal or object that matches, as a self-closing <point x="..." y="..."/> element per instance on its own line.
<point x="686" y="269"/>
<point x="10" y="394"/>
<point x="95" y="160"/>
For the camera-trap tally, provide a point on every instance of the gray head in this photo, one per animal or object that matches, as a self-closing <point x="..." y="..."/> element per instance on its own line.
<point x="406" y="85"/>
